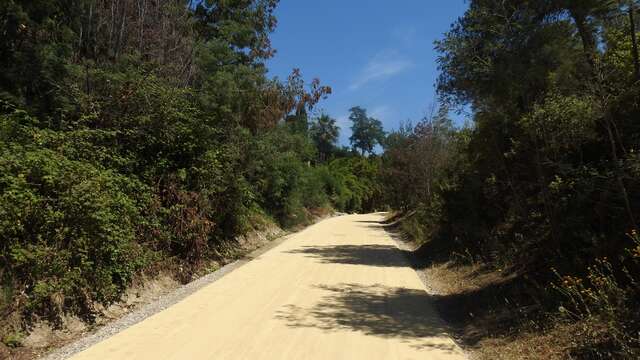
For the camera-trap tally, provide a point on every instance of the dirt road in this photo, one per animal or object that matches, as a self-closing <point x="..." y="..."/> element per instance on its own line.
<point x="337" y="290"/>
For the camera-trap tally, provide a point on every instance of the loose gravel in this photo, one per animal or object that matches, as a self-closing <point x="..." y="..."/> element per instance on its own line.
<point x="156" y="306"/>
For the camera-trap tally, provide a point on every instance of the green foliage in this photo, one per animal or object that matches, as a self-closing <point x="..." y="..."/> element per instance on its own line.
<point x="324" y="133"/>
<point x="67" y="229"/>
<point x="546" y="176"/>
<point x="561" y="123"/>
<point x="279" y="161"/>
<point x="545" y="149"/>
<point x="366" y="132"/>
<point x="353" y="184"/>
<point x="34" y="55"/>
<point x="286" y="182"/>
<point x="13" y="339"/>
<point x="145" y="137"/>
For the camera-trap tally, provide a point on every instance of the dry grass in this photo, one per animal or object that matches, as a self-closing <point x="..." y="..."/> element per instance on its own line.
<point x="452" y="278"/>
<point x="488" y="328"/>
<point x="527" y="345"/>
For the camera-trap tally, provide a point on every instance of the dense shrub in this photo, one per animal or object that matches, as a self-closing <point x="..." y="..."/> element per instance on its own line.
<point x="353" y="184"/>
<point x="68" y="230"/>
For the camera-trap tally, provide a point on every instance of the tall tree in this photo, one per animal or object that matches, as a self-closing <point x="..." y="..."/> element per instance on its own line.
<point x="367" y="132"/>
<point x="549" y="83"/>
<point x="324" y="133"/>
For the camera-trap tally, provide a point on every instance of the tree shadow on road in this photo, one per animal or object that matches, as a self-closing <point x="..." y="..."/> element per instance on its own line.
<point x="369" y="255"/>
<point x="377" y="310"/>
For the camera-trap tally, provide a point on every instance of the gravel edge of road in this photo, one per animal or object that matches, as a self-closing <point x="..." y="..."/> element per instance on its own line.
<point x="154" y="307"/>
<point x="407" y="251"/>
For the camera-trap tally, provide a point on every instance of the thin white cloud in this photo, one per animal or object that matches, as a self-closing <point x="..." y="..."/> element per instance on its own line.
<point x="382" y="112"/>
<point x="382" y="66"/>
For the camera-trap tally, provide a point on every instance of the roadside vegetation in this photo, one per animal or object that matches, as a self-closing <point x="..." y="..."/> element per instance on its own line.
<point x="140" y="136"/>
<point x="531" y="210"/>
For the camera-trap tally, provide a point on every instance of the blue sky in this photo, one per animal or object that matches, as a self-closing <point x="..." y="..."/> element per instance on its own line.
<point x="374" y="53"/>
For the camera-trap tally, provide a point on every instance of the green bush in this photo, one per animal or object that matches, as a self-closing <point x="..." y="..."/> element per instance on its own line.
<point x="352" y="184"/>
<point x="280" y="160"/>
<point x="68" y="229"/>
<point x="314" y="188"/>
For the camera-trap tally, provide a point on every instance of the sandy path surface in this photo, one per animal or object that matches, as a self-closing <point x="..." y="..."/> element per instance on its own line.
<point x="338" y="290"/>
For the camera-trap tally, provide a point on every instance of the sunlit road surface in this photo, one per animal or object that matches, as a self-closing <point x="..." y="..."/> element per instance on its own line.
<point x="340" y="289"/>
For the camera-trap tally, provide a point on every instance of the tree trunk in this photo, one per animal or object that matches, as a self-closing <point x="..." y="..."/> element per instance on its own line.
<point x="588" y="41"/>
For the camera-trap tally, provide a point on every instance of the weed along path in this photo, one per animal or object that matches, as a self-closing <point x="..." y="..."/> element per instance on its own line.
<point x="340" y="289"/>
